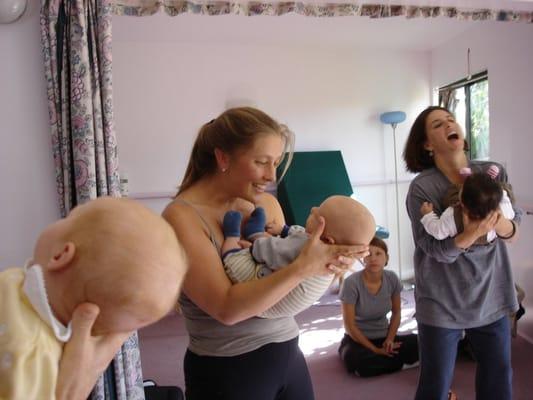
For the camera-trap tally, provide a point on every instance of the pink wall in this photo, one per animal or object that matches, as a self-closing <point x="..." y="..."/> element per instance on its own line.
<point x="331" y="97"/>
<point x="505" y="50"/>
<point x="27" y="195"/>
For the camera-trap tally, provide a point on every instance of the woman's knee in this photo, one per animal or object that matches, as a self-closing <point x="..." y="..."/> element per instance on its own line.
<point x="349" y="362"/>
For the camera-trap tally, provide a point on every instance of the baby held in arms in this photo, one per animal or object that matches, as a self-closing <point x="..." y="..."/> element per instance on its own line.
<point x="113" y="253"/>
<point x="480" y="194"/>
<point x="348" y="222"/>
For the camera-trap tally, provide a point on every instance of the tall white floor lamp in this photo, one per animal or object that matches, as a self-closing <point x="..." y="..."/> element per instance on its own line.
<point x="394" y="118"/>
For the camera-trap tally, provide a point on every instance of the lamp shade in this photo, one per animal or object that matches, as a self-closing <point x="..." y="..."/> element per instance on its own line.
<point x="392" y="117"/>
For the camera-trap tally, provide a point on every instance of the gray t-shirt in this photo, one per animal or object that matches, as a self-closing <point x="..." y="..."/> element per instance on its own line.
<point x="209" y="337"/>
<point x="371" y="309"/>
<point x="457" y="289"/>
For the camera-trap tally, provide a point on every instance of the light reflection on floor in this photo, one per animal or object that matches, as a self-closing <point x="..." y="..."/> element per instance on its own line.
<point x="313" y="337"/>
<point x="322" y="333"/>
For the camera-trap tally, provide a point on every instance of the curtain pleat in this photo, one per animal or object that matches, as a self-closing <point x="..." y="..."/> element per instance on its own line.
<point x="76" y="41"/>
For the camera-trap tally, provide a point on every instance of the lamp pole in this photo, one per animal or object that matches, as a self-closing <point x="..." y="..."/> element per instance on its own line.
<point x="394" y="124"/>
<point x="394" y="118"/>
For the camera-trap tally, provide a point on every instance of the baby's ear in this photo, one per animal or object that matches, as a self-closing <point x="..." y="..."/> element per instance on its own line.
<point x="328" y="239"/>
<point x="61" y="257"/>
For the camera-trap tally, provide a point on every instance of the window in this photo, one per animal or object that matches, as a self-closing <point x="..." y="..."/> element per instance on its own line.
<point x="468" y="99"/>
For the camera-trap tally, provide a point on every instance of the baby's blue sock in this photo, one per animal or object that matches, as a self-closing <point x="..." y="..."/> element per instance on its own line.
<point x="255" y="224"/>
<point x="231" y="226"/>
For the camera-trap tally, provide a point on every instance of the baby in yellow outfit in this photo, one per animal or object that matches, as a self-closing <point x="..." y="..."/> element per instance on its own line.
<point x="111" y="252"/>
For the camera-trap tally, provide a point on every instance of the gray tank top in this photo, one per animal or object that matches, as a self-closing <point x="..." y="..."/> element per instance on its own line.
<point x="208" y="337"/>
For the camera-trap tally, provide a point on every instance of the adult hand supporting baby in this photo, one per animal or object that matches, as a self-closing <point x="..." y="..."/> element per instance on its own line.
<point x="473" y="229"/>
<point x="85" y="357"/>
<point x="337" y="258"/>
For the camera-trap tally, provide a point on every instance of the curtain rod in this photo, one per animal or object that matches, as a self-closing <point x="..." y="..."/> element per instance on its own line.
<point x="462" y="82"/>
<point x="328" y="8"/>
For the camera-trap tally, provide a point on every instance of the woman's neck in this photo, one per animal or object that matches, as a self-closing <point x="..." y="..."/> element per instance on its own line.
<point x="450" y="166"/>
<point x="372" y="277"/>
<point x="208" y="192"/>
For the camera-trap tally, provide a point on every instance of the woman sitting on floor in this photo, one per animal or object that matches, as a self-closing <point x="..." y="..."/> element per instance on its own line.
<point x="370" y="346"/>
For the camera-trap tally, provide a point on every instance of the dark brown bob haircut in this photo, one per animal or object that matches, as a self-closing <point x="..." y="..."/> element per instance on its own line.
<point x="382" y="245"/>
<point x="416" y="157"/>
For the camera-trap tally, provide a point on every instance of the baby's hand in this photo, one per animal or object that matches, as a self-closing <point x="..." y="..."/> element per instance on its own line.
<point x="426" y="208"/>
<point x="245" y="244"/>
<point x="274" y="228"/>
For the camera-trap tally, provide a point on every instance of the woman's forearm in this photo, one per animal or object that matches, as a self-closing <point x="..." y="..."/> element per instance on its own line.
<point x="465" y="239"/>
<point x="394" y="325"/>
<point x="358" y="336"/>
<point x="507" y="230"/>
<point x="85" y="357"/>
<point x="249" y="299"/>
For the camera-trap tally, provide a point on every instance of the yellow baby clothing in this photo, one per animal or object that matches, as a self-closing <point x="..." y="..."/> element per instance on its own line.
<point x="30" y="349"/>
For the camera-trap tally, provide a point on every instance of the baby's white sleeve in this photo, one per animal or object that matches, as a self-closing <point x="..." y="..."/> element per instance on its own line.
<point x="440" y="228"/>
<point x="506" y="207"/>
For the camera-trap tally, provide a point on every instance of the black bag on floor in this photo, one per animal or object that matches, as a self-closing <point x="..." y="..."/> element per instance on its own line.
<point x="155" y="392"/>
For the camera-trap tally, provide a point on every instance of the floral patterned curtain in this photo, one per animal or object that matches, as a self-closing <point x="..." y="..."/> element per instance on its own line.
<point x="76" y="41"/>
<point x="325" y="8"/>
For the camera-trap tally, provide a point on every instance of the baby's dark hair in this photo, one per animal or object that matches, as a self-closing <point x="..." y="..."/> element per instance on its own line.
<point x="480" y="195"/>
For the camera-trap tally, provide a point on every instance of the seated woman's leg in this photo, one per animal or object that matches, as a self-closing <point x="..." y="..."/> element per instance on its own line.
<point x="438" y="350"/>
<point x="365" y="363"/>
<point x="408" y="352"/>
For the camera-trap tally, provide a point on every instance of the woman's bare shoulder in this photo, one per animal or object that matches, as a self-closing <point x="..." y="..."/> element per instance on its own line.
<point x="176" y="205"/>
<point x="272" y="207"/>
<point x="269" y="202"/>
<point x="179" y="210"/>
<point x="267" y="199"/>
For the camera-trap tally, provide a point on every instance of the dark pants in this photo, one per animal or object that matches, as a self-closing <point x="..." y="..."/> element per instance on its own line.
<point x="276" y="371"/>
<point x="358" y="359"/>
<point x="491" y="345"/>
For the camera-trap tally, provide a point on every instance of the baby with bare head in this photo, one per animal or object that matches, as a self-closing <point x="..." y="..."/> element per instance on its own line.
<point x="111" y="252"/>
<point x="348" y="222"/>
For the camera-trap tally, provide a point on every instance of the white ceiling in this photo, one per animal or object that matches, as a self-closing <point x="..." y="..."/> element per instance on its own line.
<point x="419" y="34"/>
<point x="394" y="33"/>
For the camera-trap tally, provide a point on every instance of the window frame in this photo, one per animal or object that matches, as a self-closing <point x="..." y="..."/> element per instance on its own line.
<point x="466" y="83"/>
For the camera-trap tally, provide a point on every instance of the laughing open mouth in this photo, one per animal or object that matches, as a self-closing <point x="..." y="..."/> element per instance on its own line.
<point x="453" y="136"/>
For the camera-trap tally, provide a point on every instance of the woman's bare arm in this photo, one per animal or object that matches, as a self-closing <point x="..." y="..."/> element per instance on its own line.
<point x="396" y="317"/>
<point x="506" y="229"/>
<point x="475" y="229"/>
<point x="210" y="289"/>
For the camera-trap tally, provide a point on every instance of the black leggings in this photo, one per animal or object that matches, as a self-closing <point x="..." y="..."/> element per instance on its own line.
<point x="358" y="359"/>
<point x="276" y="371"/>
